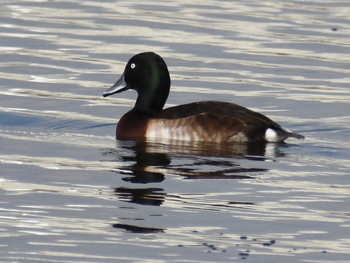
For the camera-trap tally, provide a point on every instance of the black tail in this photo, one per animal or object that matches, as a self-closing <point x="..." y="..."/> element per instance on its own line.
<point x="295" y="135"/>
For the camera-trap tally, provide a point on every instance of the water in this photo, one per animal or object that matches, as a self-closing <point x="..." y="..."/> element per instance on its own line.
<point x="71" y="193"/>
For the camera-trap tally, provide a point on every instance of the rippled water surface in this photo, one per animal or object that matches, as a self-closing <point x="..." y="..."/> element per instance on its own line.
<point x="71" y="193"/>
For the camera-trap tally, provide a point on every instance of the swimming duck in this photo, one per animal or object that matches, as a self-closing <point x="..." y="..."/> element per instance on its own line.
<point x="210" y="121"/>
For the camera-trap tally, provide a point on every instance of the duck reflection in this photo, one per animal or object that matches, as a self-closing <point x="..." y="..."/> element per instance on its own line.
<point x="150" y="161"/>
<point x="144" y="169"/>
<point x="146" y="196"/>
<point x="147" y="163"/>
<point x="138" y="229"/>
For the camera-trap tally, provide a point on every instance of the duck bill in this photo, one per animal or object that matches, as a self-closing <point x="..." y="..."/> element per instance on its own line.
<point x="119" y="86"/>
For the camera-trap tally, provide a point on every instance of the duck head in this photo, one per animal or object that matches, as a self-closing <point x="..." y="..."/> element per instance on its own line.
<point x="148" y="75"/>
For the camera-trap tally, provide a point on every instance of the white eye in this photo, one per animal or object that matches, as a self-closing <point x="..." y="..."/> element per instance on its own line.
<point x="132" y="65"/>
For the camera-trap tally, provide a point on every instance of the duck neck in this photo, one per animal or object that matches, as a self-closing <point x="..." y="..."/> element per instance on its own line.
<point x="151" y="100"/>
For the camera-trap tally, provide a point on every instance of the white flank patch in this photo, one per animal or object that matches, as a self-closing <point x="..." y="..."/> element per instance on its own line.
<point x="158" y="131"/>
<point x="271" y="135"/>
<point x="160" y="134"/>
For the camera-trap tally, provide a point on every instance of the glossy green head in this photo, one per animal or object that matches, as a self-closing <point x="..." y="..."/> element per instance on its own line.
<point x="148" y="74"/>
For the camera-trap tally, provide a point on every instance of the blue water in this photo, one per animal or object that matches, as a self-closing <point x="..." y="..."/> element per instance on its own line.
<point x="71" y="193"/>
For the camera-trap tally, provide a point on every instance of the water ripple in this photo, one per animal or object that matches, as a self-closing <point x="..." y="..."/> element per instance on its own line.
<point x="69" y="192"/>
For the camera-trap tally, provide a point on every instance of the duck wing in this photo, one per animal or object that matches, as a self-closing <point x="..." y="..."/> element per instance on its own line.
<point x="217" y="122"/>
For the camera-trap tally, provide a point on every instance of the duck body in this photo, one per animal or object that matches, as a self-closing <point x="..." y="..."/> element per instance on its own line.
<point x="210" y="121"/>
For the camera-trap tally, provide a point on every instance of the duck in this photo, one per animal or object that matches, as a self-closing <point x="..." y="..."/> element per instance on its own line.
<point x="206" y="121"/>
